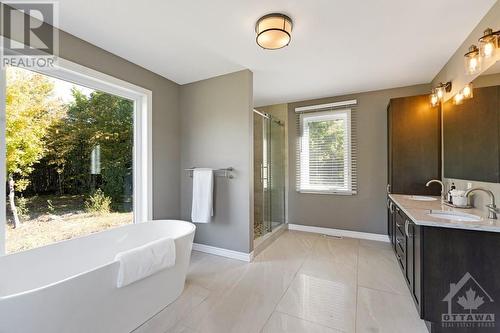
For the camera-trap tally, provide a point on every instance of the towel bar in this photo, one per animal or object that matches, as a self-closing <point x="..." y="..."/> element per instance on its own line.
<point x="226" y="172"/>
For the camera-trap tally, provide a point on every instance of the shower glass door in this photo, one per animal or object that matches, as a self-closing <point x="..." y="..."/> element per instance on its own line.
<point x="276" y="174"/>
<point x="266" y="175"/>
<point x="269" y="152"/>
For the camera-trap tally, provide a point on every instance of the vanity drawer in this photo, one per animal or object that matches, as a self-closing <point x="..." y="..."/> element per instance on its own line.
<point x="401" y="257"/>
<point x="400" y="238"/>
<point x="401" y="244"/>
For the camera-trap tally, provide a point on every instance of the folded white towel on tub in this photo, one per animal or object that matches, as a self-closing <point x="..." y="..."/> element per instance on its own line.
<point x="203" y="193"/>
<point x="146" y="260"/>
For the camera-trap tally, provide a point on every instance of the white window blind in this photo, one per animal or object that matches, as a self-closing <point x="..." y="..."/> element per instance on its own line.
<point x="326" y="152"/>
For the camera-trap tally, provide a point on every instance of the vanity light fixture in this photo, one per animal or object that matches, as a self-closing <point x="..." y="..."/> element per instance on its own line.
<point x="433" y="98"/>
<point x="442" y="89"/>
<point x="437" y="94"/>
<point x="472" y="60"/>
<point x="467" y="91"/>
<point x="488" y="44"/>
<point x="273" y="31"/>
<point x="458" y="98"/>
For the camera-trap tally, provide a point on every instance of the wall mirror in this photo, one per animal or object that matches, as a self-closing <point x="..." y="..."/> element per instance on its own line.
<point x="471" y="131"/>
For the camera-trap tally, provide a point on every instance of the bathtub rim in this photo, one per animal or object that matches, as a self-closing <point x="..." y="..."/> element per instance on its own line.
<point x="29" y="291"/>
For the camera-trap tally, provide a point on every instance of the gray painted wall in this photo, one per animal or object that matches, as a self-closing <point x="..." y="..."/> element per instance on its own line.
<point x="216" y="130"/>
<point x="365" y="211"/>
<point x="166" y="120"/>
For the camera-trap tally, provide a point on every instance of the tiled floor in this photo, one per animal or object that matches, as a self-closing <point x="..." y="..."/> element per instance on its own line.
<point x="301" y="283"/>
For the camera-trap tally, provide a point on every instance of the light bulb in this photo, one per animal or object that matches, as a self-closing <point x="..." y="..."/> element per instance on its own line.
<point x="434" y="99"/>
<point x="488" y="50"/>
<point x="488" y="43"/>
<point x="458" y="98"/>
<point x="467" y="91"/>
<point x="440" y="93"/>
<point x="472" y="61"/>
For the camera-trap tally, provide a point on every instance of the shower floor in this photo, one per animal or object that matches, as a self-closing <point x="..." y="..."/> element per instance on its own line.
<point x="260" y="229"/>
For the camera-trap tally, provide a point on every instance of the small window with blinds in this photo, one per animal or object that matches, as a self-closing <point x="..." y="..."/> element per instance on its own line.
<point x="326" y="154"/>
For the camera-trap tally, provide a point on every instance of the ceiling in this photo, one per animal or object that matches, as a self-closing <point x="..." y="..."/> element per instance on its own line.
<point x="338" y="46"/>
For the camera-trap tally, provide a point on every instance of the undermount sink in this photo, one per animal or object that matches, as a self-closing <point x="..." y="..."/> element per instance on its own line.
<point x="421" y="198"/>
<point x="454" y="216"/>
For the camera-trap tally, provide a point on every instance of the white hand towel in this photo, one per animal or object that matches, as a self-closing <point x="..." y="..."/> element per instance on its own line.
<point x="203" y="187"/>
<point x="146" y="260"/>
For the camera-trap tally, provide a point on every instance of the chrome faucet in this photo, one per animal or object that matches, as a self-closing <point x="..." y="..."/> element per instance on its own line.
<point x="492" y="208"/>
<point x="443" y="199"/>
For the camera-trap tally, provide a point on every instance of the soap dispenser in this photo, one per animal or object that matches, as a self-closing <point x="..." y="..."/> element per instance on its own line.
<point x="449" y="196"/>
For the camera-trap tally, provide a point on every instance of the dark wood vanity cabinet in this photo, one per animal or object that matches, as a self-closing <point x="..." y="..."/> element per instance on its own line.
<point x="407" y="245"/>
<point x="434" y="259"/>
<point x="413" y="262"/>
<point x="414" y="158"/>
<point x="414" y="145"/>
<point x="417" y="260"/>
<point x="450" y="271"/>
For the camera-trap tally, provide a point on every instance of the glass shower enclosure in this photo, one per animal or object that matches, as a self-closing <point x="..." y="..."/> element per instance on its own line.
<point x="269" y="173"/>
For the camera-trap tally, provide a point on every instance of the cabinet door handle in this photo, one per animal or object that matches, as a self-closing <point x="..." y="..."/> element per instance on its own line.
<point x="261" y="173"/>
<point x="388" y="189"/>
<point x="407" y="229"/>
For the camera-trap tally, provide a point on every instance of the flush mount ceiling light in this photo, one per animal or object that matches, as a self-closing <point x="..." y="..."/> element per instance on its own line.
<point x="273" y="31"/>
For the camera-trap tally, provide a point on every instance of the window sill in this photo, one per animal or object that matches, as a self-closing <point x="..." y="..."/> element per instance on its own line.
<point x="344" y="193"/>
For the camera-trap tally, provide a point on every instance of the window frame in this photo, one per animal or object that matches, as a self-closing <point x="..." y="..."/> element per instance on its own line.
<point x="308" y="117"/>
<point x="142" y="153"/>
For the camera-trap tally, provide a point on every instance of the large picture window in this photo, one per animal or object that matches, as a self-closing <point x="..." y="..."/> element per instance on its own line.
<point x="325" y="152"/>
<point x="76" y="157"/>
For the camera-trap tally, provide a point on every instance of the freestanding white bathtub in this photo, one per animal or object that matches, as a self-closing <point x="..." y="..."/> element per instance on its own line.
<point x="71" y="286"/>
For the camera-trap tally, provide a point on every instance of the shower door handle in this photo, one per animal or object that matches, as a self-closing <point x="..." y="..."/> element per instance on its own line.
<point x="262" y="173"/>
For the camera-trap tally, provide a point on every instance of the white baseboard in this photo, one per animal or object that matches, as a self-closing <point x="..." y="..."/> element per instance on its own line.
<point x="248" y="257"/>
<point x="339" y="232"/>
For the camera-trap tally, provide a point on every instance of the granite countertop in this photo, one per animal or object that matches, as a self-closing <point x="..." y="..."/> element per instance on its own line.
<point x="418" y="212"/>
